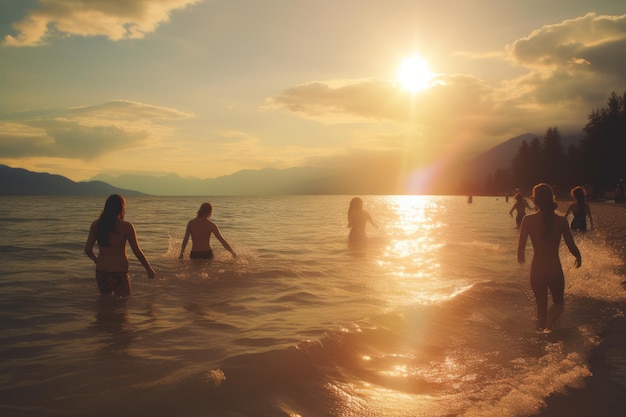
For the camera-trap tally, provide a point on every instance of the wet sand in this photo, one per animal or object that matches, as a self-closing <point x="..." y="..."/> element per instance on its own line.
<point x="604" y="393"/>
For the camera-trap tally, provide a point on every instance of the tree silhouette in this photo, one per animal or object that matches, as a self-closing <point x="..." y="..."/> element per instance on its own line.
<point x="553" y="158"/>
<point x="604" y="146"/>
<point x="600" y="160"/>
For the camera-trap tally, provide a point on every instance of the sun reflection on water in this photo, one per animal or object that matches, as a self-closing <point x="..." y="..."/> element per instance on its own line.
<point x="412" y="255"/>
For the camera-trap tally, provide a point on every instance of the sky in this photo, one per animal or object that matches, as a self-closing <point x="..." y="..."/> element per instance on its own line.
<point x="206" y="88"/>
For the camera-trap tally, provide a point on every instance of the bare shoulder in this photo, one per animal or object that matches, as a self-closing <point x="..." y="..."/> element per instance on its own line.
<point x="126" y="226"/>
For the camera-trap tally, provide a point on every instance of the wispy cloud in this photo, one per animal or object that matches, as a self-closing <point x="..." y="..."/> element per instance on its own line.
<point x="83" y="132"/>
<point x="114" y="19"/>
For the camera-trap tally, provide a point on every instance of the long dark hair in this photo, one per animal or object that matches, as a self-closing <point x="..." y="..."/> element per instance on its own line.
<point x="543" y="196"/>
<point x="578" y="193"/>
<point x="356" y="204"/>
<point x="205" y="210"/>
<point x="113" y="211"/>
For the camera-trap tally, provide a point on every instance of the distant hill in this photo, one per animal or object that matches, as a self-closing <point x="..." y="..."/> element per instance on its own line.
<point x="18" y="181"/>
<point x="267" y="181"/>
<point x="271" y="181"/>
<point x="311" y="180"/>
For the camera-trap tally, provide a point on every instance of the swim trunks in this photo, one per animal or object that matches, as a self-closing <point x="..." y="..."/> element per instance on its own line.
<point x="203" y="254"/>
<point x="117" y="283"/>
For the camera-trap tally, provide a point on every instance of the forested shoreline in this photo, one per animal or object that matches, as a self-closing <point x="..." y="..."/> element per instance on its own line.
<point x="598" y="162"/>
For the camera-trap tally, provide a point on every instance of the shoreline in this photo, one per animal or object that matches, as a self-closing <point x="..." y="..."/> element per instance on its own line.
<point x="604" y="393"/>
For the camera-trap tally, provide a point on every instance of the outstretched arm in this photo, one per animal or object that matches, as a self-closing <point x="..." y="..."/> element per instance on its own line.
<point x="569" y="241"/>
<point x="131" y="236"/>
<point x="369" y="218"/>
<point x="91" y="241"/>
<point x="185" y="240"/>
<point x="218" y="235"/>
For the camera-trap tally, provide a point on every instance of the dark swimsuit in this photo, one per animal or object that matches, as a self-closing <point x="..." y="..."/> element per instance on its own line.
<point x="204" y="254"/>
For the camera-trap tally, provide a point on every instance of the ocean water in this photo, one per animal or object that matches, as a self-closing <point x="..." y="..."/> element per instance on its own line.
<point x="433" y="318"/>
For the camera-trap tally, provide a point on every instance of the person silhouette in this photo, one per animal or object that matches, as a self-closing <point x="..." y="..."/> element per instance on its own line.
<point x="580" y="210"/>
<point x="200" y="229"/>
<point x="357" y="220"/>
<point x="545" y="229"/>
<point x="520" y="205"/>
<point x="111" y="232"/>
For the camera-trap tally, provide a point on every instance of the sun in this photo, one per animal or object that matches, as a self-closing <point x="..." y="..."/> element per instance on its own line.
<point x="414" y="74"/>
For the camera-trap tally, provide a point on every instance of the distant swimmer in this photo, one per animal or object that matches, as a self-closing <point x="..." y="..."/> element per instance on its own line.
<point x="357" y="219"/>
<point x="200" y="229"/>
<point x="111" y="232"/>
<point x="545" y="229"/>
<point x="580" y="210"/>
<point x="520" y="206"/>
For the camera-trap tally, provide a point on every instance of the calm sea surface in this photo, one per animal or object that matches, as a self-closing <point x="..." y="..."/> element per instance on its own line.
<point x="433" y="318"/>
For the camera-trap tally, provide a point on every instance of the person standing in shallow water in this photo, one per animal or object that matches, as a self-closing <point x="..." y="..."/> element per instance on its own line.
<point x="111" y="232"/>
<point x="357" y="219"/>
<point x="200" y="229"/>
<point x="580" y="209"/>
<point x="545" y="229"/>
<point x="520" y="205"/>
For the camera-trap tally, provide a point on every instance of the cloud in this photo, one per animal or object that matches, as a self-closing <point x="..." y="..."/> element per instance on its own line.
<point x="373" y="101"/>
<point x="127" y="111"/>
<point x="84" y="132"/>
<point x="114" y="19"/>
<point x="571" y="68"/>
<point x="589" y="42"/>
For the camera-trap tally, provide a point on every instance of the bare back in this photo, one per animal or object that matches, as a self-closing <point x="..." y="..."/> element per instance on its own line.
<point x="113" y="258"/>
<point x="200" y="230"/>
<point x="545" y="240"/>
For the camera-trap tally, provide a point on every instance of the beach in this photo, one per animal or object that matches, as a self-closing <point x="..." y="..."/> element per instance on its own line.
<point x="604" y="393"/>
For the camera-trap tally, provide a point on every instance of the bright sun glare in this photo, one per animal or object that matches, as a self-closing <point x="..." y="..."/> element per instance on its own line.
<point x="414" y="74"/>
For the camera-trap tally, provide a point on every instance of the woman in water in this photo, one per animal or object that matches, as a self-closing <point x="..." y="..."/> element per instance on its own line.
<point x="580" y="210"/>
<point x="520" y="205"/>
<point x="112" y="232"/>
<point x="357" y="219"/>
<point x="200" y="229"/>
<point x="545" y="229"/>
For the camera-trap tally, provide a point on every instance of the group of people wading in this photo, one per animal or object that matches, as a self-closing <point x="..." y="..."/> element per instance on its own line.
<point x="544" y="227"/>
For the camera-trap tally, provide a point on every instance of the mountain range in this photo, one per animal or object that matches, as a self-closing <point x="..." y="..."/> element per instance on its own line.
<point x="18" y="181"/>
<point x="268" y="181"/>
